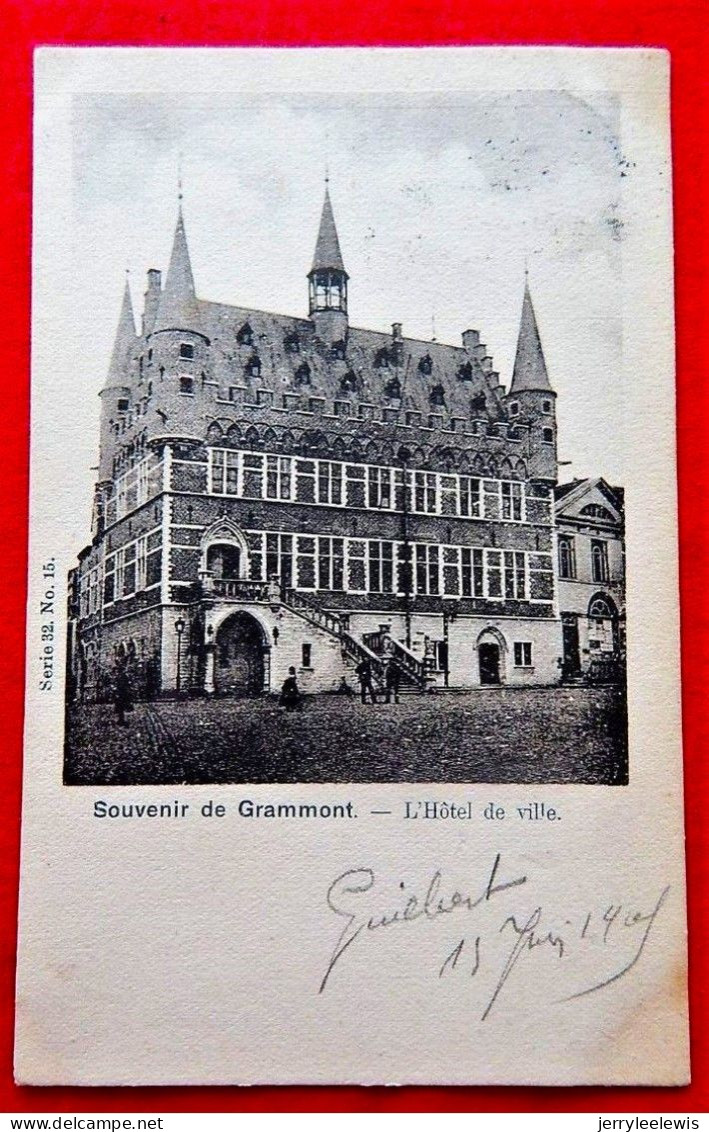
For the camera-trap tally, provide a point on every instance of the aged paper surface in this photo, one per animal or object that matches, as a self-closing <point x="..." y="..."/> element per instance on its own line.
<point x="355" y="481"/>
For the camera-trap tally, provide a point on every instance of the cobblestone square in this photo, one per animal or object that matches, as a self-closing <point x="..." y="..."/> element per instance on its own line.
<point x="553" y="735"/>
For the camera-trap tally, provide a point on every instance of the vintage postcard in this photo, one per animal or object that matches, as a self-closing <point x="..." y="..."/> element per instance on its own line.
<point x="353" y="739"/>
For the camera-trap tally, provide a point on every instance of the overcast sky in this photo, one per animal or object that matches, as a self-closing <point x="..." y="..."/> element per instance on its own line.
<point x="439" y="201"/>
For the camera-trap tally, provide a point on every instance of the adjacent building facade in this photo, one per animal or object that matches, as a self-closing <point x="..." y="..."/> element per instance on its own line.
<point x="277" y="491"/>
<point x="591" y="579"/>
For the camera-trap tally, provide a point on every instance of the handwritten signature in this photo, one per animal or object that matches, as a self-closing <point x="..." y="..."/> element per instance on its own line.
<point x="352" y="895"/>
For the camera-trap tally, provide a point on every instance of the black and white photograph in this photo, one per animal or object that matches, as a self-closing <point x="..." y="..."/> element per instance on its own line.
<point x="351" y="420"/>
<point x="353" y="745"/>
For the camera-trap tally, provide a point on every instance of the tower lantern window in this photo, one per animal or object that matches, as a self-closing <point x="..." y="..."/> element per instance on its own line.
<point x="393" y="389"/>
<point x="302" y="374"/>
<point x="186" y="350"/>
<point x="123" y="405"/>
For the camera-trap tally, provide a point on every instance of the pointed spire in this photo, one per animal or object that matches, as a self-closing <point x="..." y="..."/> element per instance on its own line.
<point x="123" y="344"/>
<point x="530" y="371"/>
<point x="327" y="249"/>
<point x="178" y="308"/>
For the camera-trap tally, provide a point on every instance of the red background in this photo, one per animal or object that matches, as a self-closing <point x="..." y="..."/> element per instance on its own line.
<point x="682" y="27"/>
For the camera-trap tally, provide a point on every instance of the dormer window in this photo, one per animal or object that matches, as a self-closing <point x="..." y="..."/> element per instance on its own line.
<point x="478" y="404"/>
<point x="381" y="358"/>
<point x="465" y="372"/>
<point x="426" y="364"/>
<point x="302" y="374"/>
<point x="437" y="396"/>
<point x="292" y="344"/>
<point x="596" y="511"/>
<point x="253" y="366"/>
<point x="245" y="336"/>
<point x="186" y="351"/>
<point x="123" y="405"/>
<point x="348" y="384"/>
<point x="187" y="385"/>
<point x="546" y="406"/>
<point x="393" y="389"/>
<point x="338" y="350"/>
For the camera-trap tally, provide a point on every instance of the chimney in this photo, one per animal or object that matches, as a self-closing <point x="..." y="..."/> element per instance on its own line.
<point x="470" y="340"/>
<point x="397" y="341"/>
<point x="486" y="364"/>
<point x="152" y="298"/>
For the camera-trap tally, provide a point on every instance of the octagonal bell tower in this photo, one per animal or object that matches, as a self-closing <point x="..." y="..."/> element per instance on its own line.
<point x="327" y="280"/>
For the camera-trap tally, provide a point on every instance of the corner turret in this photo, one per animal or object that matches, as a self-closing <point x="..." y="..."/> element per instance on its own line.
<point x="178" y="347"/>
<point x="531" y="401"/>
<point x="116" y="393"/>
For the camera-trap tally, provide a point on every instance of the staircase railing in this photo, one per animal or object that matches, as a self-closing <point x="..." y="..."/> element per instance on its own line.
<point x="385" y="645"/>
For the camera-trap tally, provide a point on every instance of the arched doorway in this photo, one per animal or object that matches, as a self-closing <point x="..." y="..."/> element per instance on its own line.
<point x="492" y="651"/>
<point x="224" y="560"/>
<point x="240" y="656"/>
<point x="602" y="624"/>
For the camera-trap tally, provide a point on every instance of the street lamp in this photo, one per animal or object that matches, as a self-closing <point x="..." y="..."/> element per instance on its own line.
<point x="179" y="629"/>
<point x="450" y="612"/>
<point x="404" y="456"/>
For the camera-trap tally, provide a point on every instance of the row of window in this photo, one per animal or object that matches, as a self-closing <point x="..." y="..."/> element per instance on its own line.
<point x="133" y="567"/>
<point x="600" y="571"/>
<point x="90" y="596"/>
<point x="134" y="488"/>
<point x="324" y="562"/>
<point x="291" y="479"/>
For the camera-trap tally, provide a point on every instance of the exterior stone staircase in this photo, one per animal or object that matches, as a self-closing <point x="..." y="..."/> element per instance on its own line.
<point x="411" y="668"/>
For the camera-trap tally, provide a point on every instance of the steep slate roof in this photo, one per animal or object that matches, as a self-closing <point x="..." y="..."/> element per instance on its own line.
<point x="279" y="366"/>
<point x="178" y="308"/>
<point x="327" y="249"/>
<point x="530" y="371"/>
<point x="123" y="345"/>
<point x="569" y="495"/>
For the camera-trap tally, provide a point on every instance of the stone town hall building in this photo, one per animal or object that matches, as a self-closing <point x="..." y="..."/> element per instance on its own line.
<point x="278" y="491"/>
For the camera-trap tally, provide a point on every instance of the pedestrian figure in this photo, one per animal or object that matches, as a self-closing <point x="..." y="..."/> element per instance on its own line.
<point x="364" y="675"/>
<point x="122" y="694"/>
<point x="344" y="688"/>
<point x="392" y="679"/>
<point x="291" y="698"/>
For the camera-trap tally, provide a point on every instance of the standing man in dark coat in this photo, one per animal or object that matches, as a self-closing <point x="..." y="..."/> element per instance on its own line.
<point x="122" y="694"/>
<point x="364" y="675"/>
<point x="393" y="679"/>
